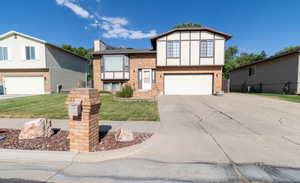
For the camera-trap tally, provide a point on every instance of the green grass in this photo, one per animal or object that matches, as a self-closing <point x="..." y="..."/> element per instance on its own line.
<point x="291" y="98"/>
<point x="53" y="107"/>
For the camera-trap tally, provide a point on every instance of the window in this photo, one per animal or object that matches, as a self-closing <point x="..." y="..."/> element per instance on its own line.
<point x="115" y="63"/>
<point x="251" y="71"/>
<point x="109" y="86"/>
<point x="173" y="49"/>
<point x="153" y="76"/>
<point x="3" y="53"/>
<point x="30" y="53"/>
<point x="126" y="65"/>
<point x="206" y="48"/>
<point x="116" y="86"/>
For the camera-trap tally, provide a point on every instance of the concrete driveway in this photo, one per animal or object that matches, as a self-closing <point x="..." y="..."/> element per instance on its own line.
<point x="235" y="128"/>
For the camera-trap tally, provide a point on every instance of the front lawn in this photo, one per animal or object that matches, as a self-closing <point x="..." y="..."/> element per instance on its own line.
<point x="53" y="107"/>
<point x="291" y="98"/>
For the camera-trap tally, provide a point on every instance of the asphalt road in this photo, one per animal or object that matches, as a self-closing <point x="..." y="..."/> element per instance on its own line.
<point x="141" y="170"/>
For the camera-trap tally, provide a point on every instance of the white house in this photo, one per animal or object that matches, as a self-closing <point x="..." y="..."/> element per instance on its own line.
<point x="33" y="66"/>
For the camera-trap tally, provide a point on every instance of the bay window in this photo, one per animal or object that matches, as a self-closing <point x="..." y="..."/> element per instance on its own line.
<point x="115" y="63"/>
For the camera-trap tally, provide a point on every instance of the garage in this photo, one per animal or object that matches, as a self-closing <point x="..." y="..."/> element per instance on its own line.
<point x="24" y="85"/>
<point x="188" y="84"/>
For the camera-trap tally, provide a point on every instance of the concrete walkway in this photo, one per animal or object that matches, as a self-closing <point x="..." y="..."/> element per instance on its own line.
<point x="2" y="97"/>
<point x="135" y="126"/>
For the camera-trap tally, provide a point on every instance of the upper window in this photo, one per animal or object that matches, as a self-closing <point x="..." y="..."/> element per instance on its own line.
<point x="173" y="49"/>
<point x="3" y="53"/>
<point x="115" y="63"/>
<point x="30" y="53"/>
<point x="206" y="48"/>
<point x="251" y="71"/>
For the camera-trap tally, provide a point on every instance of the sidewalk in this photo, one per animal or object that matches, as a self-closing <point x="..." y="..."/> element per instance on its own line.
<point x="135" y="126"/>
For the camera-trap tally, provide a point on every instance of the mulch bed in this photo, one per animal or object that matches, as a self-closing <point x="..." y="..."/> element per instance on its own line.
<point x="59" y="141"/>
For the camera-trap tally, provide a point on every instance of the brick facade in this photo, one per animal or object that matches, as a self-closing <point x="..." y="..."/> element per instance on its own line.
<point x="27" y="72"/>
<point x="84" y="130"/>
<point x="148" y="61"/>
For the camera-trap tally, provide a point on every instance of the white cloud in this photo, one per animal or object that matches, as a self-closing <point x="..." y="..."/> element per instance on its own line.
<point x="75" y="8"/>
<point x="113" y="27"/>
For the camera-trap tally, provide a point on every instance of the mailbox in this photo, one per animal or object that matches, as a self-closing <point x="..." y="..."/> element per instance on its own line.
<point x="75" y="109"/>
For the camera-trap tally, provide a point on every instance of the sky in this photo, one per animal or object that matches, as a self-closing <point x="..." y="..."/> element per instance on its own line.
<point x="256" y="25"/>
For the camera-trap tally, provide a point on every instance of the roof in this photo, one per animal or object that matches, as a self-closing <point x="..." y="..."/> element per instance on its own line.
<point x="270" y="59"/>
<point x="3" y="36"/>
<point x="153" y="40"/>
<point x="123" y="51"/>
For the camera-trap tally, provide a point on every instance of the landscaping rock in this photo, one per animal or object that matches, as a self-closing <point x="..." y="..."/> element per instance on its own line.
<point x="37" y="128"/>
<point x="123" y="135"/>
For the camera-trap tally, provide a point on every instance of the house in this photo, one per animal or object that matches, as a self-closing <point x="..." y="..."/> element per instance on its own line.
<point x="32" y="66"/>
<point x="277" y="74"/>
<point x="182" y="61"/>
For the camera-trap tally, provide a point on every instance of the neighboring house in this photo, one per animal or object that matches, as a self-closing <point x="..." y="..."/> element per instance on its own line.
<point x="32" y="66"/>
<point x="277" y="74"/>
<point x="183" y="61"/>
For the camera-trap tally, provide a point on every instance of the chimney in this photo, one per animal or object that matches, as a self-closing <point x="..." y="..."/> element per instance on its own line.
<point x="99" y="45"/>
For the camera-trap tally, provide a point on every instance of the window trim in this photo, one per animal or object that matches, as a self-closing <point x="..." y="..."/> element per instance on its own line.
<point x="179" y="48"/>
<point x="213" y="48"/>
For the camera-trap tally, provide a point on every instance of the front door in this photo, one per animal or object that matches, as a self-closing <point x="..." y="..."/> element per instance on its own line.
<point x="146" y="79"/>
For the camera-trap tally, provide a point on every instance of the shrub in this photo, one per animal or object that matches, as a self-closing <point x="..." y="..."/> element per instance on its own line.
<point x="126" y="92"/>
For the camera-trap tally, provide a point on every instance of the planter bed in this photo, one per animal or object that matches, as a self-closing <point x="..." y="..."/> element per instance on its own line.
<point x="60" y="142"/>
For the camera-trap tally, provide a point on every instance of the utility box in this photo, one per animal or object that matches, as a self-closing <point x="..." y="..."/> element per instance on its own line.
<point x="83" y="107"/>
<point x="75" y="109"/>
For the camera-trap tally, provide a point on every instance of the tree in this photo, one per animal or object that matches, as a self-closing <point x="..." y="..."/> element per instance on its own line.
<point x="230" y="63"/>
<point x="233" y="60"/>
<point x="188" y="24"/>
<point x="288" y="49"/>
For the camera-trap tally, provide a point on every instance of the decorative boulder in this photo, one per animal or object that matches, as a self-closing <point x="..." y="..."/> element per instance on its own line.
<point x="37" y="128"/>
<point x="123" y="135"/>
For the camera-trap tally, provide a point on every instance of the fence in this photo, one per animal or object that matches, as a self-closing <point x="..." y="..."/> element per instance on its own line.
<point x="280" y="87"/>
<point x="226" y="85"/>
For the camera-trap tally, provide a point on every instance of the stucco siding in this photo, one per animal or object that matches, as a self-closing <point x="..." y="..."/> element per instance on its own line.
<point x="65" y="69"/>
<point x="185" y="53"/>
<point x="190" y="49"/>
<point x="16" y="53"/>
<point x="271" y="74"/>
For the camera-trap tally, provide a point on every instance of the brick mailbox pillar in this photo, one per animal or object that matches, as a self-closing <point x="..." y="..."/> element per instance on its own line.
<point x="83" y="108"/>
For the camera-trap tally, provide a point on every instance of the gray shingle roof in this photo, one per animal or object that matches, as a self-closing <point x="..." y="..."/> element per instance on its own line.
<point x="123" y="51"/>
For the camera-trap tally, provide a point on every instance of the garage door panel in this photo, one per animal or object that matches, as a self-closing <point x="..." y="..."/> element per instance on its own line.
<point x="195" y="84"/>
<point x="24" y="85"/>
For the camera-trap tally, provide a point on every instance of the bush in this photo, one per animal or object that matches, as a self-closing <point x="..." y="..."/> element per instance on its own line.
<point x="126" y="92"/>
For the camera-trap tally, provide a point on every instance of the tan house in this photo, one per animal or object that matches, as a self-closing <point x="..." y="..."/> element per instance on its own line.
<point x="183" y="61"/>
<point x="276" y="74"/>
<point x="29" y="65"/>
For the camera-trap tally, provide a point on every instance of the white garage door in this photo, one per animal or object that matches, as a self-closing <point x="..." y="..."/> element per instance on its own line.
<point x="196" y="84"/>
<point x="24" y="85"/>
